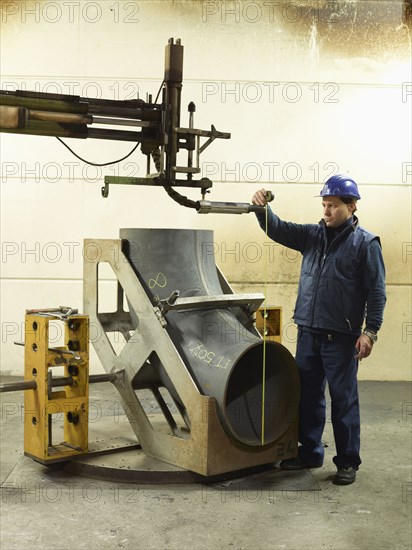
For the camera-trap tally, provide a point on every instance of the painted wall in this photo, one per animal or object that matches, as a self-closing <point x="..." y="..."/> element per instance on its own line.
<point x="305" y="88"/>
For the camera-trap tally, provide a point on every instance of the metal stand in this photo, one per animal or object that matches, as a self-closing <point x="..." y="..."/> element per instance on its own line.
<point x="202" y="446"/>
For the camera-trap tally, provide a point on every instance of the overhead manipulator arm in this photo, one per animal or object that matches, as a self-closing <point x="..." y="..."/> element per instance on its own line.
<point x="152" y="125"/>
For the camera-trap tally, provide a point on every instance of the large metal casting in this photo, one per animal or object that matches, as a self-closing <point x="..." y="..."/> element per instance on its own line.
<point x="187" y="332"/>
<point x="219" y="346"/>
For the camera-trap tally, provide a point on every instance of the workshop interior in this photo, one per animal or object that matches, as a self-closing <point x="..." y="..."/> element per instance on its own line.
<point x="133" y="136"/>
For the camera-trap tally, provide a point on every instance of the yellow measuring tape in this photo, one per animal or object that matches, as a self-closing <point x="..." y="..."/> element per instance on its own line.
<point x="265" y="277"/>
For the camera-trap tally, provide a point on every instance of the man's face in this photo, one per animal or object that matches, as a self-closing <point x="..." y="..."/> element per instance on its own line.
<point x="336" y="212"/>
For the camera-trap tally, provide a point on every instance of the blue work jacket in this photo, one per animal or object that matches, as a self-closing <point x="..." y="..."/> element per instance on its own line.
<point x="339" y="281"/>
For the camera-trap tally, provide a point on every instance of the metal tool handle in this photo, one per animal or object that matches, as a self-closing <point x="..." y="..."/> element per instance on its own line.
<point x="209" y="207"/>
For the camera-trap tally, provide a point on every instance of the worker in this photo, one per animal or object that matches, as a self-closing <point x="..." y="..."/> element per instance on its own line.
<point x="339" y="311"/>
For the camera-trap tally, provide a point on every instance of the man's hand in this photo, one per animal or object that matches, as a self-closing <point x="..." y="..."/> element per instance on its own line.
<point x="260" y="198"/>
<point x="364" y="346"/>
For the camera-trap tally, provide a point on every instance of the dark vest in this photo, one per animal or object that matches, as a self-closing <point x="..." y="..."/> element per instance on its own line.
<point x="331" y="294"/>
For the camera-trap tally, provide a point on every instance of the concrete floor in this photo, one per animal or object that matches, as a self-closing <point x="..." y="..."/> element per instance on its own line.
<point x="46" y="509"/>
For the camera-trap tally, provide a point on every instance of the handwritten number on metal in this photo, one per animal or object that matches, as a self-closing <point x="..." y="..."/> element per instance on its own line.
<point x="160" y="281"/>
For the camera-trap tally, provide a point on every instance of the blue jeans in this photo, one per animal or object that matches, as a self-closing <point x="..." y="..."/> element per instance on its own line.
<point x="321" y="358"/>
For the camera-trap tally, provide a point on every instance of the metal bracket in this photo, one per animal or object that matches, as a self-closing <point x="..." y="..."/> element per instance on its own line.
<point x="249" y="301"/>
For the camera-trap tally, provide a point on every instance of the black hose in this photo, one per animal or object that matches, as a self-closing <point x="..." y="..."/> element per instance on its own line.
<point x="173" y="194"/>
<point x="181" y="199"/>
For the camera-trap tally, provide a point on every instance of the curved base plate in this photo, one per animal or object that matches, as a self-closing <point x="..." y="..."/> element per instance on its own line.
<point x="130" y="464"/>
<point x="121" y="459"/>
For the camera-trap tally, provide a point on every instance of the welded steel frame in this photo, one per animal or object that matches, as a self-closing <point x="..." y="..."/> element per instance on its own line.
<point x="206" y="449"/>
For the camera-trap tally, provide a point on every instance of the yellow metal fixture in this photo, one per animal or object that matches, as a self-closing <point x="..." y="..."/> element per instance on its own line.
<point x="43" y="406"/>
<point x="270" y="327"/>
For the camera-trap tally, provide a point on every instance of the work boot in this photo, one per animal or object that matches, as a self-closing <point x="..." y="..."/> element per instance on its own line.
<point x="345" y="476"/>
<point x="298" y="464"/>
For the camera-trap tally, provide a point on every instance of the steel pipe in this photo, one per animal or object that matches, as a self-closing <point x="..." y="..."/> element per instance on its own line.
<point x="58" y="381"/>
<point x="220" y="347"/>
<point x="18" y="386"/>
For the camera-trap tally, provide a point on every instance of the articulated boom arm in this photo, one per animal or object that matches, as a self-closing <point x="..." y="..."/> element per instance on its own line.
<point x="155" y="126"/>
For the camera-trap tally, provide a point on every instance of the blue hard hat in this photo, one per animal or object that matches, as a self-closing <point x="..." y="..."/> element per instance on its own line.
<point x="340" y="186"/>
